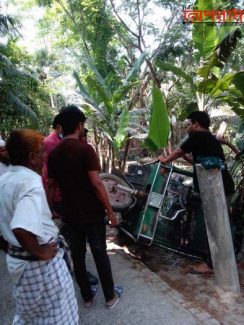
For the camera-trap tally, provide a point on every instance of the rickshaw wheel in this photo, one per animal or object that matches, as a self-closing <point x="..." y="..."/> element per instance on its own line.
<point x="119" y="199"/>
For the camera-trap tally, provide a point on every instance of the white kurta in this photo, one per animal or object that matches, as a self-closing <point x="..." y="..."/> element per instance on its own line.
<point x="23" y="204"/>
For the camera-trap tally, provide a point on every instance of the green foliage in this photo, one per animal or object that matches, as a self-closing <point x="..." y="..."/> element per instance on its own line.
<point x="228" y="88"/>
<point x="82" y="25"/>
<point x="177" y="71"/>
<point x="221" y="53"/>
<point x="204" y="36"/>
<point x="123" y="121"/>
<point x="159" y="127"/>
<point x="90" y="39"/>
<point x="24" y="100"/>
<point x="106" y="106"/>
<point x="213" y="49"/>
<point x="15" y="53"/>
<point x="225" y="48"/>
<point x="13" y="83"/>
<point x="8" y="25"/>
<point x="240" y="136"/>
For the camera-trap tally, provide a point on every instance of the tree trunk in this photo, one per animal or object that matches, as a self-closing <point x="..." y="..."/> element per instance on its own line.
<point x="125" y="157"/>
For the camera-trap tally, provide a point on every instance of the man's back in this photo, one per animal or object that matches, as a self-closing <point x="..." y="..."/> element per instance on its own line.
<point x="202" y="143"/>
<point x="69" y="164"/>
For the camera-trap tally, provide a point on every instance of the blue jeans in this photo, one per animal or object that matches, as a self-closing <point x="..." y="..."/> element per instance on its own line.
<point x="95" y="234"/>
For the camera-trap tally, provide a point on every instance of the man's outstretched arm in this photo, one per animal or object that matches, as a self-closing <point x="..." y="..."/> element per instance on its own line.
<point x="177" y="153"/>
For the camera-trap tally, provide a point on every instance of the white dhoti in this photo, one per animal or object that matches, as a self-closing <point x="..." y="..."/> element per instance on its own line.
<point x="45" y="295"/>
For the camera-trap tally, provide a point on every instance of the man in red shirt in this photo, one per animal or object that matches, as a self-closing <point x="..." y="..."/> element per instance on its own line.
<point x="75" y="168"/>
<point x="50" y="142"/>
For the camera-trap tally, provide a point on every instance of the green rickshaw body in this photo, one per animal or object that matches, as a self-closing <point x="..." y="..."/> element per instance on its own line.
<point x="171" y="216"/>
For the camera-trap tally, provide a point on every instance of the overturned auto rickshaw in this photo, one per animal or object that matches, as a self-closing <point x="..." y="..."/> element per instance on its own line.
<point x="158" y="206"/>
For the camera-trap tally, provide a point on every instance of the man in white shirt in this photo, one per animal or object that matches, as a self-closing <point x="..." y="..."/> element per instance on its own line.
<point x="4" y="161"/>
<point x="3" y="157"/>
<point x="43" y="288"/>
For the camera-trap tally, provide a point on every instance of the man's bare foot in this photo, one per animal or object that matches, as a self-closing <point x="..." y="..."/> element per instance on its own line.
<point x="111" y="303"/>
<point x="91" y="302"/>
<point x="202" y="268"/>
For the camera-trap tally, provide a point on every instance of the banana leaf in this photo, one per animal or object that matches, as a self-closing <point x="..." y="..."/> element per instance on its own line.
<point x="204" y="36"/>
<point x="159" y="126"/>
<point x="121" y="92"/>
<point x="98" y="76"/>
<point x="122" y="129"/>
<point x="206" y="86"/>
<point x="207" y="66"/>
<point x="224" y="83"/>
<point x="20" y="107"/>
<point x="238" y="81"/>
<point x="221" y="53"/>
<point x="85" y="94"/>
<point x="136" y="67"/>
<point x="177" y="71"/>
<point x="225" y="48"/>
<point x="99" y="93"/>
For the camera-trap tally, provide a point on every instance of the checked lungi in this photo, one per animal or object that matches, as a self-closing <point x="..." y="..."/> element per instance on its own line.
<point x="45" y="294"/>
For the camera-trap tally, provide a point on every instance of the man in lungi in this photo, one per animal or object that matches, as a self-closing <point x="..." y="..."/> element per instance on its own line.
<point x="43" y="288"/>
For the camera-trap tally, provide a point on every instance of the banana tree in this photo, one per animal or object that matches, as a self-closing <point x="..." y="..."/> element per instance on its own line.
<point x="212" y="48"/>
<point x="108" y="108"/>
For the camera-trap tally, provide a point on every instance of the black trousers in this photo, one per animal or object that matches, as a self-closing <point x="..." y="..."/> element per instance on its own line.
<point x="95" y="234"/>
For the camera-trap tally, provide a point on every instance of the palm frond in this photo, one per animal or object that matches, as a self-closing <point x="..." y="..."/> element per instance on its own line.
<point x="8" y="25"/>
<point x="19" y="106"/>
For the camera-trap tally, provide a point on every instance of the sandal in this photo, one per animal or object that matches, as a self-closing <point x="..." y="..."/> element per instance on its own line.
<point x="118" y="290"/>
<point x="90" y="303"/>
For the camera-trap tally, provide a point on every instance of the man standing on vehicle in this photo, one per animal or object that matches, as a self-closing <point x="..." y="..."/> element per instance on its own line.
<point x="202" y="144"/>
<point x="74" y="167"/>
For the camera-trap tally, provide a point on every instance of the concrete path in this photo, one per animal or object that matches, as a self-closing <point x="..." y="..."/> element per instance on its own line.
<point x="146" y="300"/>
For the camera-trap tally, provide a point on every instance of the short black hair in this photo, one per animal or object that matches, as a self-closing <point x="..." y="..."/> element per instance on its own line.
<point x="201" y="118"/>
<point x="56" y="121"/>
<point x="70" y="117"/>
